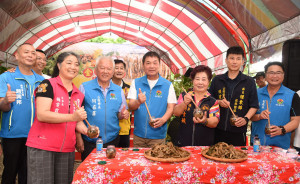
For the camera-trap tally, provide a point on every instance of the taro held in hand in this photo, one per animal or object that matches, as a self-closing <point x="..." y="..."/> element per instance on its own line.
<point x="198" y="113"/>
<point x="92" y="131"/>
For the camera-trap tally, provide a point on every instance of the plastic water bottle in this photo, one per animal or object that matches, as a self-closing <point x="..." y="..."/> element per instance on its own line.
<point x="99" y="145"/>
<point x="256" y="144"/>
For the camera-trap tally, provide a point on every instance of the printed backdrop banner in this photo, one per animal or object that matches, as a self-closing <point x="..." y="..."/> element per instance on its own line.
<point x="131" y="54"/>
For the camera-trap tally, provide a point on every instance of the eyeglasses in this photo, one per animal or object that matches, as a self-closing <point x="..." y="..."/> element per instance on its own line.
<point x="274" y="73"/>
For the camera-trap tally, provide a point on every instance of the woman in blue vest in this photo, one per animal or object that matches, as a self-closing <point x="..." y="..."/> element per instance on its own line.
<point x="194" y="131"/>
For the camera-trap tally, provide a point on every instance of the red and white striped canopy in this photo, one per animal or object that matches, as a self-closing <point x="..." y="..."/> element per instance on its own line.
<point x="184" y="32"/>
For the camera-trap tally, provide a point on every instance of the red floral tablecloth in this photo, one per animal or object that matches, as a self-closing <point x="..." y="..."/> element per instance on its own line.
<point x="132" y="167"/>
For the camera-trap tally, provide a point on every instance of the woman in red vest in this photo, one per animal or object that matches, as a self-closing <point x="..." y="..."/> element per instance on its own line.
<point x="51" y="139"/>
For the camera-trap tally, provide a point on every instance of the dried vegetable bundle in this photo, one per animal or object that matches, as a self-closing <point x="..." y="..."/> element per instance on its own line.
<point x="167" y="151"/>
<point x="223" y="150"/>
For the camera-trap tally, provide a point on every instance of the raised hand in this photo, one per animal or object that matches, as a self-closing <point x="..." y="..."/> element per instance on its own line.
<point x="79" y="114"/>
<point x="264" y="114"/>
<point x="187" y="98"/>
<point x="11" y="70"/>
<point x="141" y="96"/>
<point x="224" y="103"/>
<point x="10" y="96"/>
<point x="124" y="113"/>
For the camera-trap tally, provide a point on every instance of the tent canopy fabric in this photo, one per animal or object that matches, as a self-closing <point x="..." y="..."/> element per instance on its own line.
<point x="185" y="33"/>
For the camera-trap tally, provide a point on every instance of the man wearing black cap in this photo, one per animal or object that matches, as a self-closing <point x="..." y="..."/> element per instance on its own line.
<point x="260" y="79"/>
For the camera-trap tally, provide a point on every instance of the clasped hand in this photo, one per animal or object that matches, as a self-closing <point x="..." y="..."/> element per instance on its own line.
<point x="203" y="120"/>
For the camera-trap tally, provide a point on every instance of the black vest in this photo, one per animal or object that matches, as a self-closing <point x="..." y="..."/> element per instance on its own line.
<point x="239" y="101"/>
<point x="195" y="134"/>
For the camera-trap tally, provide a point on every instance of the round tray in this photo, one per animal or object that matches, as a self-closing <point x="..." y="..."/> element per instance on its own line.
<point x="223" y="159"/>
<point x="167" y="159"/>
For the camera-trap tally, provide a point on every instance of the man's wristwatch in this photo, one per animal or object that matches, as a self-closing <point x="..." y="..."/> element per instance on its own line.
<point x="247" y="119"/>
<point x="283" y="130"/>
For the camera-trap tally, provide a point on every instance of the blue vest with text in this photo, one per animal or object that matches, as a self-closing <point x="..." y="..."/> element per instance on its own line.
<point x="101" y="111"/>
<point x="17" y="121"/>
<point x="157" y="101"/>
<point x="279" y="106"/>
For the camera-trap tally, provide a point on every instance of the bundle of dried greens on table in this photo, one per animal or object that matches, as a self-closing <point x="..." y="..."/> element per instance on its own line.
<point x="223" y="150"/>
<point x="167" y="151"/>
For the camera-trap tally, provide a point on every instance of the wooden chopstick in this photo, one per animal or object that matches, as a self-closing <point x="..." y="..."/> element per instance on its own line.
<point x="192" y="99"/>
<point x="77" y="109"/>
<point x="230" y="109"/>
<point x="269" y="116"/>
<point x="148" y="111"/>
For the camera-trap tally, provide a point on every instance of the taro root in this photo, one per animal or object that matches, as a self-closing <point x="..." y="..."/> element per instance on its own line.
<point x="92" y="131"/>
<point x="151" y="122"/>
<point x="233" y="120"/>
<point x="267" y="131"/>
<point x="198" y="113"/>
<point x="111" y="151"/>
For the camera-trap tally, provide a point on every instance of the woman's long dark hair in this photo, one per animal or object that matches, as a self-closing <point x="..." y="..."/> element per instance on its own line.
<point x="60" y="59"/>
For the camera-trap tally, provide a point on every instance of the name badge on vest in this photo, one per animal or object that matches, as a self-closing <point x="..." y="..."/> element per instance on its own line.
<point x="113" y="97"/>
<point x="158" y="94"/>
<point x="280" y="102"/>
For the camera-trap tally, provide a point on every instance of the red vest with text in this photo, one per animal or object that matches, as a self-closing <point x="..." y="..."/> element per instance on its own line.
<point x="58" y="137"/>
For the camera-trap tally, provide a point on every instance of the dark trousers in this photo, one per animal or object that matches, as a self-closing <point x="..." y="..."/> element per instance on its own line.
<point x="89" y="146"/>
<point x="14" y="160"/>
<point x="236" y="139"/>
<point x="124" y="141"/>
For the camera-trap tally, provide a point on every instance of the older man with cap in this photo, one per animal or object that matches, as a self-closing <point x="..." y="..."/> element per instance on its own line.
<point x="105" y="104"/>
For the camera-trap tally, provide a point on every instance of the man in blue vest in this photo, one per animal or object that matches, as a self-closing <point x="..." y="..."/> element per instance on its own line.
<point x="284" y="109"/>
<point x="17" y="104"/>
<point x="156" y="93"/>
<point x="105" y="104"/>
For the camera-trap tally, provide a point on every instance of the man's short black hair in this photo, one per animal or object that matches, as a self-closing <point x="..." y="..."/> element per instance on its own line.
<point x="235" y="50"/>
<point x="151" y="54"/>
<point x="260" y="74"/>
<point x="274" y="63"/>
<point x="117" y="61"/>
<point x="39" y="50"/>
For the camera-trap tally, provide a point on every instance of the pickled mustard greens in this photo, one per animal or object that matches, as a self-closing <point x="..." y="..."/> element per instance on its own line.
<point x="167" y="151"/>
<point x="223" y="150"/>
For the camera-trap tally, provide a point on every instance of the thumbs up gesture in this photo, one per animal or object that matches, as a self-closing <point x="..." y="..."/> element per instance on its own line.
<point x="141" y="96"/>
<point x="124" y="114"/>
<point x="10" y="96"/>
